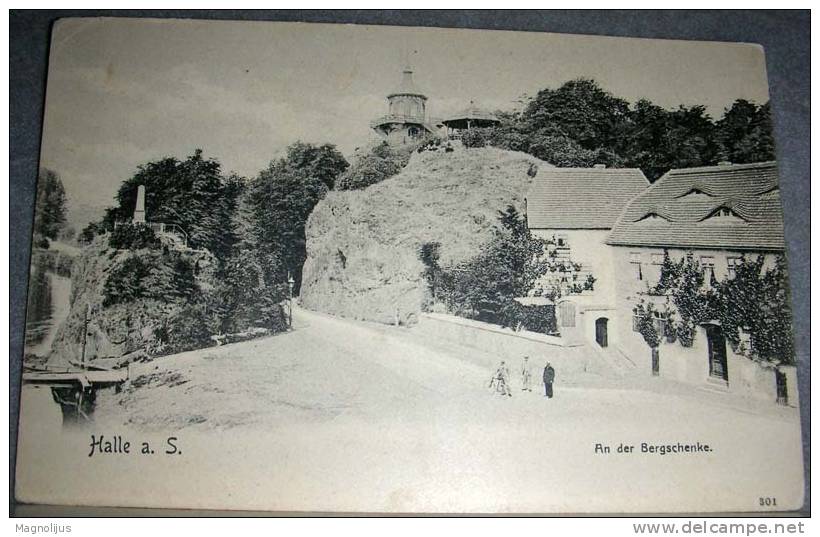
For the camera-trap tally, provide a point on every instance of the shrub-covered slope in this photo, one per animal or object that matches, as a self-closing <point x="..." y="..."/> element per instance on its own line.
<point x="130" y="310"/>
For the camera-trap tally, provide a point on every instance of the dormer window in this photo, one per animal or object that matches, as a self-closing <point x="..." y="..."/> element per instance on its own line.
<point x="695" y="193"/>
<point x="653" y="217"/>
<point x="774" y="191"/>
<point x="724" y="215"/>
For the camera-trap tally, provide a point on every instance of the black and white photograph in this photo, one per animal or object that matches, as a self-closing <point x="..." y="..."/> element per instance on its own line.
<point x="332" y="268"/>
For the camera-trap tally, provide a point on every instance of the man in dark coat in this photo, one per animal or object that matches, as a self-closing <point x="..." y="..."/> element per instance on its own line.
<point x="549" y="377"/>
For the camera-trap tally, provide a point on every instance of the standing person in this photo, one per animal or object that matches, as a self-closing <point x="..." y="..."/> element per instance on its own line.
<point x="549" y="377"/>
<point x="502" y="377"/>
<point x="526" y="375"/>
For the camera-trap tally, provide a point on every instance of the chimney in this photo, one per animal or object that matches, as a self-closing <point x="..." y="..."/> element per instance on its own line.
<point x="599" y="166"/>
<point x="139" y="210"/>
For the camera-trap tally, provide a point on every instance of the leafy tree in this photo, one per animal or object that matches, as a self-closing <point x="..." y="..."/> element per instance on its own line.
<point x="646" y="314"/>
<point x="193" y="194"/>
<point x="281" y="199"/>
<point x="580" y="124"/>
<point x="580" y="110"/>
<point x="133" y="237"/>
<point x="430" y="254"/>
<point x="49" y="205"/>
<point x="245" y="298"/>
<point x="744" y="133"/>
<point x="485" y="287"/>
<point x="152" y="274"/>
<point x="756" y="302"/>
<point x="509" y="267"/>
<point x="658" y="140"/>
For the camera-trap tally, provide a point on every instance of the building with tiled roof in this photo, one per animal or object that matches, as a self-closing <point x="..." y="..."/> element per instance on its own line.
<point x="733" y="207"/>
<point x="575" y="208"/>
<point x="718" y="215"/>
<point x="582" y="198"/>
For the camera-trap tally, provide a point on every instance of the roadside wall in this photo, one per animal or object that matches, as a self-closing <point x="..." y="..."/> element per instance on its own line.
<point x="495" y="344"/>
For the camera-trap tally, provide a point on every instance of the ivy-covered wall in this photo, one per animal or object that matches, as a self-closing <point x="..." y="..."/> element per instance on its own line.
<point x="587" y="247"/>
<point x="678" y="361"/>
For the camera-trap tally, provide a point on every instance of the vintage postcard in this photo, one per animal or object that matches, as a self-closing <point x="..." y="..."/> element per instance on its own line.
<point x="337" y="268"/>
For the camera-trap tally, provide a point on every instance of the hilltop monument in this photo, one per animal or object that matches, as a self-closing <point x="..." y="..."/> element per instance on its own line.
<point x="139" y="209"/>
<point x="406" y="119"/>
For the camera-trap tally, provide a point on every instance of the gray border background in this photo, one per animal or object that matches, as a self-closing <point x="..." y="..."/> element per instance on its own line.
<point x="785" y="36"/>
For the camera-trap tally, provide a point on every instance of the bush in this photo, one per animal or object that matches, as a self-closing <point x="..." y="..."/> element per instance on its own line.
<point x="188" y="328"/>
<point x="41" y="241"/>
<point x="381" y="163"/>
<point x="126" y="282"/>
<point x="539" y="319"/>
<point x="485" y="287"/>
<point x="133" y="237"/>
<point x="245" y="299"/>
<point x="476" y="137"/>
<point x="161" y="276"/>
<point x="90" y="231"/>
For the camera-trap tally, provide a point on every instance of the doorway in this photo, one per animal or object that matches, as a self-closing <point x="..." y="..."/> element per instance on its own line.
<point x="566" y="312"/>
<point x="601" y="335"/>
<point x="782" y="387"/>
<point x="718" y="367"/>
<point x="656" y="362"/>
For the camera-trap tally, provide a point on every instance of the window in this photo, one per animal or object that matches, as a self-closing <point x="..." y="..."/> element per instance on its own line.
<point x="657" y="259"/>
<point x="661" y="323"/>
<point x="561" y="241"/>
<point x="695" y="191"/>
<point x="770" y="192"/>
<point x="636" y="323"/>
<point x="635" y="260"/>
<point x="723" y="215"/>
<point x="707" y="264"/>
<point x="731" y="263"/>
<point x="652" y="217"/>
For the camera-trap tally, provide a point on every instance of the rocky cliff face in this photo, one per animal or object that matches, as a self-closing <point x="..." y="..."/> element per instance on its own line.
<point x="362" y="245"/>
<point x="120" y="329"/>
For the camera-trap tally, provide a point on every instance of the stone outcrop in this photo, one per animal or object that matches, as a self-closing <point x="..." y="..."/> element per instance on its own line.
<point x="363" y="245"/>
<point x="119" y="329"/>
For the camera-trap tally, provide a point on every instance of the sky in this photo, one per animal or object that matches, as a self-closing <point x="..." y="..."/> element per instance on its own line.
<point x="122" y="92"/>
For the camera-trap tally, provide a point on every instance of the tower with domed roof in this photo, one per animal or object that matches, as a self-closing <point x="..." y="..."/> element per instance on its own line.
<point x="406" y="119"/>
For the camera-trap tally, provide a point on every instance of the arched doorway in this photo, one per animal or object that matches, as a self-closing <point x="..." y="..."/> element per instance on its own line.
<point x="601" y="334"/>
<point x="718" y="367"/>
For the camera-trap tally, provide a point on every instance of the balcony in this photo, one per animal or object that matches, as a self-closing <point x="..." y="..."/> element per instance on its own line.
<point x="396" y="118"/>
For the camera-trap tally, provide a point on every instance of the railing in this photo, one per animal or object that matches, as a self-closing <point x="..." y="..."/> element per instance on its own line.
<point x="165" y="228"/>
<point x="397" y="118"/>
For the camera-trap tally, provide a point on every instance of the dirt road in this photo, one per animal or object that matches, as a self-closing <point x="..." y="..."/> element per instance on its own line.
<point x="344" y="415"/>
